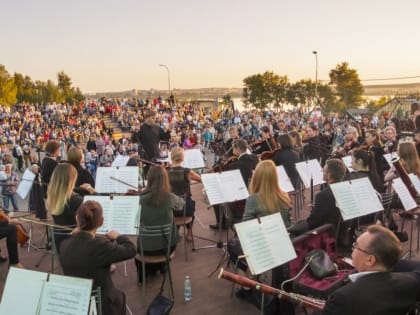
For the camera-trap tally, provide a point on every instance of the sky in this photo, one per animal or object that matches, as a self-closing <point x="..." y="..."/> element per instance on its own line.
<point x="110" y="45"/>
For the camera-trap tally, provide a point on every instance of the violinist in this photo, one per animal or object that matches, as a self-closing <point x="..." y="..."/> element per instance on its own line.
<point x="266" y="143"/>
<point x="287" y="157"/>
<point x="179" y="178"/>
<point x="351" y="141"/>
<point x="246" y="164"/>
<point x="234" y="135"/>
<point x="391" y="141"/>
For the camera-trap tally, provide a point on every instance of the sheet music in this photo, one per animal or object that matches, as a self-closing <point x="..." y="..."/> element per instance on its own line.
<point x="356" y="198"/>
<point x="348" y="159"/>
<point x="65" y="296"/>
<point x="104" y="184"/>
<point x="310" y="169"/>
<point x="266" y="244"/>
<point x="22" y="284"/>
<point x="415" y="181"/>
<point x="120" y="160"/>
<point x="284" y="180"/>
<point x="193" y="158"/>
<point x="402" y="191"/>
<point x="25" y="184"/>
<point x="224" y="187"/>
<point x="121" y="213"/>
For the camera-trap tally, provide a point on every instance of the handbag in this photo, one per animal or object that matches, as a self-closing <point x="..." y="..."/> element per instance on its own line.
<point x="320" y="263"/>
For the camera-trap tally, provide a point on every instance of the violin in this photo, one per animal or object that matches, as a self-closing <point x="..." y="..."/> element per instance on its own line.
<point x="223" y="165"/>
<point x="267" y="155"/>
<point x="22" y="235"/>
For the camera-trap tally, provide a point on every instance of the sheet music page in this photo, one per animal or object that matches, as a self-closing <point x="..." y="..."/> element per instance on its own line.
<point x="213" y="188"/>
<point x="22" y="283"/>
<point x="103" y="182"/>
<point x="193" y="158"/>
<point x="65" y="296"/>
<point x="416" y="182"/>
<point x="266" y="245"/>
<point x="25" y="184"/>
<point x="402" y="191"/>
<point x="308" y="169"/>
<point x="356" y="198"/>
<point x="283" y="179"/>
<point x="233" y="185"/>
<point x="121" y="213"/>
<point x="128" y="174"/>
<point x="348" y="162"/>
<point x="120" y="160"/>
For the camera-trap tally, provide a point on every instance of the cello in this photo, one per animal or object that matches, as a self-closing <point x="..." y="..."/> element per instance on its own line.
<point x="22" y="235"/>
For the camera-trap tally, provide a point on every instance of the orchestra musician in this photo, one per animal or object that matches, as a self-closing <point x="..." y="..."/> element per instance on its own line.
<point x="62" y="202"/>
<point x="287" y="157"/>
<point x="75" y="157"/>
<point x="266" y="197"/>
<point x="266" y="143"/>
<point x="179" y="178"/>
<point x="312" y="148"/>
<point x="409" y="160"/>
<point x="8" y="230"/>
<point x="351" y="141"/>
<point x="246" y="164"/>
<point x="375" y="290"/>
<point x="48" y="164"/>
<point x="233" y="136"/>
<point x="325" y="210"/>
<point x="374" y="144"/>
<point x="390" y="138"/>
<point x="87" y="256"/>
<point x="157" y="208"/>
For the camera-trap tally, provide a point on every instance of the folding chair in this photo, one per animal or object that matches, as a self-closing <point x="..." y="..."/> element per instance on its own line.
<point x="160" y="235"/>
<point x="95" y="306"/>
<point x="57" y="234"/>
<point x="183" y="221"/>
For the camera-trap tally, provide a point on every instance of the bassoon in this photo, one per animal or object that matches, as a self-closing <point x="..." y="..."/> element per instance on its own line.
<point x="292" y="297"/>
<point x="404" y="176"/>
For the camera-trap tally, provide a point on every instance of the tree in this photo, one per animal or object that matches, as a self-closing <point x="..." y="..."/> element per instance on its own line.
<point x="278" y="90"/>
<point x="64" y="86"/>
<point x="348" y="87"/>
<point x="8" y="88"/>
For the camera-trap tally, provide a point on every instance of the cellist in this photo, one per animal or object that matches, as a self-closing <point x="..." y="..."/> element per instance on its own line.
<point x="8" y="230"/>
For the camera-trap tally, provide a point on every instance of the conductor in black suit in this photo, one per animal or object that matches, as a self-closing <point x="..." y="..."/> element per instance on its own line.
<point x="149" y="136"/>
<point x="374" y="290"/>
<point x="86" y="256"/>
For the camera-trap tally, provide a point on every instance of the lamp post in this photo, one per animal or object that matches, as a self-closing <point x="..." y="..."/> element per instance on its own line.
<point x="169" y="79"/>
<point x="316" y="72"/>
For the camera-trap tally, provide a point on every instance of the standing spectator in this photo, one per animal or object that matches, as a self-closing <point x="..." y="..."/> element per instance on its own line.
<point x="9" y="188"/>
<point x="18" y="155"/>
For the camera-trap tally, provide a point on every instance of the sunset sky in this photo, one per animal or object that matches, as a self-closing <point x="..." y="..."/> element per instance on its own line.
<point x="109" y="45"/>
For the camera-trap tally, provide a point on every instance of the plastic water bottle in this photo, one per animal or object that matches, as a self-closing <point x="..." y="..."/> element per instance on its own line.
<point x="187" y="289"/>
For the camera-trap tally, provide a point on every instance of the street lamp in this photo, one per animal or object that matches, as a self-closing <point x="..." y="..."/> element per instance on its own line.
<point x="169" y="79"/>
<point x="316" y="72"/>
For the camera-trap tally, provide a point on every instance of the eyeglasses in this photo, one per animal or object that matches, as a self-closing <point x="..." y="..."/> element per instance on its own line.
<point x="360" y="249"/>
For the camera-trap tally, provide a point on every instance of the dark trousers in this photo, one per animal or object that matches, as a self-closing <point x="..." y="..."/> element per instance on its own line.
<point x="10" y="232"/>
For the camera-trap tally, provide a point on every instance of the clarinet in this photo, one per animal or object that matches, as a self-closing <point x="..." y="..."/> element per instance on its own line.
<point x="404" y="176"/>
<point x="293" y="297"/>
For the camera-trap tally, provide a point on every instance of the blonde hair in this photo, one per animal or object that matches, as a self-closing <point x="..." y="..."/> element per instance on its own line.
<point x="177" y="154"/>
<point x="409" y="157"/>
<point x="60" y="188"/>
<point x="265" y="184"/>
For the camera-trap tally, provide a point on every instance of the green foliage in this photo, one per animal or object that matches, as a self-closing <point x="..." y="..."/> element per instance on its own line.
<point x="8" y="89"/>
<point x="21" y="89"/>
<point x="375" y="105"/>
<point x="348" y="87"/>
<point x="265" y="89"/>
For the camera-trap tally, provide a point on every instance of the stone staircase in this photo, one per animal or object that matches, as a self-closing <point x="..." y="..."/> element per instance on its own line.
<point x="110" y="123"/>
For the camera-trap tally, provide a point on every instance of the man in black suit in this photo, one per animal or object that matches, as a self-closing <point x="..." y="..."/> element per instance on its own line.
<point x="324" y="209"/>
<point x="246" y="164"/>
<point x="375" y="290"/>
<point x="149" y="136"/>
